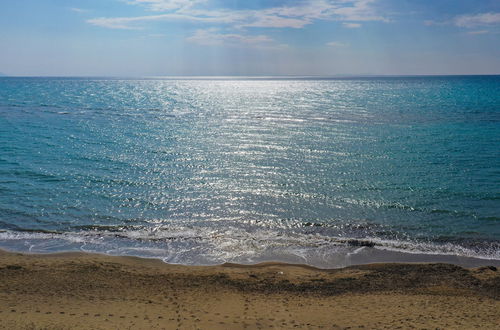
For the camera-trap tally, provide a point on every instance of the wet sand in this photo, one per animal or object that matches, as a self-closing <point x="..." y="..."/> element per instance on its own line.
<point x="87" y="291"/>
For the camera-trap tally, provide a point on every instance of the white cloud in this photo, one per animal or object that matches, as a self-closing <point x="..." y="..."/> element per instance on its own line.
<point x="469" y="21"/>
<point x="297" y="16"/>
<point x="274" y="21"/>
<point x="131" y="22"/>
<point x="478" y="32"/>
<point x="360" y="10"/>
<point x="352" y="25"/>
<point x="115" y="23"/>
<point x="337" y="44"/>
<point x="166" y="5"/>
<point x="79" y="10"/>
<point x="212" y="37"/>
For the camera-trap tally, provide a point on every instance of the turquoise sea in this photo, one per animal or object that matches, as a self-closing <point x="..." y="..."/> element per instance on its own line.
<point x="206" y="171"/>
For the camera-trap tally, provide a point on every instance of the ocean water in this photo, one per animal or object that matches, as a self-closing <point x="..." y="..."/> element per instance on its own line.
<point x="206" y="171"/>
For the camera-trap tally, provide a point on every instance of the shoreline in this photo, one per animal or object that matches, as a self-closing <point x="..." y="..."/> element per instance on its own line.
<point x="81" y="290"/>
<point x="193" y="248"/>
<point x="342" y="258"/>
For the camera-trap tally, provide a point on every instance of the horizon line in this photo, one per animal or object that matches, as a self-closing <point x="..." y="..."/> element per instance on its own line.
<point x="335" y="76"/>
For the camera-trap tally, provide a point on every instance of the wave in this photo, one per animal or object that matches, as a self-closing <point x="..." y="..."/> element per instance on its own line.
<point x="207" y="246"/>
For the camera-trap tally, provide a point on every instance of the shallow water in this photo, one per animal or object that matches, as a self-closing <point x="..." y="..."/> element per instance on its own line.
<point x="208" y="171"/>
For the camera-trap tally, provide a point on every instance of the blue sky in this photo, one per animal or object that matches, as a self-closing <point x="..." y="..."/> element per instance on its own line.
<point x="249" y="37"/>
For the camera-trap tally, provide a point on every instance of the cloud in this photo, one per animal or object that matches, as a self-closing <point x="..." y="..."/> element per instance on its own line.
<point x="352" y="25"/>
<point x="79" y="10"/>
<point x="484" y="19"/>
<point x="116" y="23"/>
<point x="470" y="21"/>
<point x="359" y="10"/>
<point x="166" y="5"/>
<point x="274" y="21"/>
<point x="337" y="44"/>
<point x="431" y="23"/>
<point x="297" y="16"/>
<point x="478" y="32"/>
<point x="212" y="37"/>
<point x="130" y="23"/>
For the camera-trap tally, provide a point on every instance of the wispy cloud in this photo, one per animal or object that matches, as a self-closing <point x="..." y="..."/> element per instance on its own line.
<point x="79" y="10"/>
<point x="352" y="25"/>
<point x="212" y="37"/>
<point x="470" y="21"/>
<point x="337" y="44"/>
<point x="432" y="23"/>
<point x="166" y="5"/>
<point x="116" y="23"/>
<point x="358" y="10"/>
<point x="478" y="32"/>
<point x="131" y="22"/>
<point x="484" y="19"/>
<point x="297" y="16"/>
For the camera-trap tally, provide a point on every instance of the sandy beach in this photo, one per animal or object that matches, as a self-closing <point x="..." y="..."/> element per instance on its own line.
<point x="73" y="290"/>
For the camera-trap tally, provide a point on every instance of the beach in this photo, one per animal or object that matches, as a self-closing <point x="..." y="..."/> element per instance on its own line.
<point x="91" y="291"/>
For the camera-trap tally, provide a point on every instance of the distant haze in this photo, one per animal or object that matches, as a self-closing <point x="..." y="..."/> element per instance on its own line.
<point x="237" y="37"/>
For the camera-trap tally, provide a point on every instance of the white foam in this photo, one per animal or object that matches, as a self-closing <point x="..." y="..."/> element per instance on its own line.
<point x="204" y="246"/>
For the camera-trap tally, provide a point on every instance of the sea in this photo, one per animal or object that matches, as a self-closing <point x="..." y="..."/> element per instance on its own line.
<point x="200" y="171"/>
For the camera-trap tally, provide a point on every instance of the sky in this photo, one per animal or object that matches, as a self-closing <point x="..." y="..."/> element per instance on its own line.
<point x="249" y="37"/>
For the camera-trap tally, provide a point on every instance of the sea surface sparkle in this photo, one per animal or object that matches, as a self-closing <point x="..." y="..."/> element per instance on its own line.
<point x="205" y="171"/>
